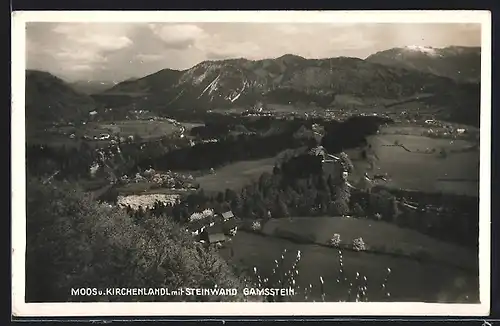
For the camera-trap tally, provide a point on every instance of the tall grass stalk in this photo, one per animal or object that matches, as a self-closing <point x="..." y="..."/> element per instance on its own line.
<point x="385" y="292"/>
<point x="281" y="277"/>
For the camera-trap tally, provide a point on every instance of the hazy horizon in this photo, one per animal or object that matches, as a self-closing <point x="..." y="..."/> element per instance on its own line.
<point x="120" y="51"/>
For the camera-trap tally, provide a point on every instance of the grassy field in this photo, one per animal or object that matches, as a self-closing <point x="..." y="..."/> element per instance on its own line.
<point x="418" y="130"/>
<point x="417" y="170"/>
<point x="191" y="125"/>
<point x="146" y="129"/>
<point x="141" y="188"/>
<point x="236" y="175"/>
<point x="410" y="280"/>
<point x="143" y="128"/>
<point x="379" y="236"/>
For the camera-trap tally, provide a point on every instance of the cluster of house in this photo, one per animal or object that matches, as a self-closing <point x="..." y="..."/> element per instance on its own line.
<point x="214" y="229"/>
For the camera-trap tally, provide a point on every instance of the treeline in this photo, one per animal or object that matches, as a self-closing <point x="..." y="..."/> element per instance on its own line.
<point x="74" y="162"/>
<point x="274" y="195"/>
<point x="259" y="125"/>
<point x="299" y="188"/>
<point x="204" y="156"/>
<point x="73" y="242"/>
<point x="271" y="137"/>
<point x="352" y="132"/>
<point x="71" y="162"/>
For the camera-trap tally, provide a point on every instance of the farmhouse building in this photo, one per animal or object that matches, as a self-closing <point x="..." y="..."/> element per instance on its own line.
<point x="216" y="238"/>
<point x="230" y="227"/>
<point x="227" y="215"/>
<point x="213" y="234"/>
<point x="195" y="226"/>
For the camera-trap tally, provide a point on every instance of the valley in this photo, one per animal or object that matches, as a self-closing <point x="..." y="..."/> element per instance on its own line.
<point x="380" y="156"/>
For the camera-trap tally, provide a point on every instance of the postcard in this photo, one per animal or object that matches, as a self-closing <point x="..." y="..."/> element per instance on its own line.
<point x="226" y="163"/>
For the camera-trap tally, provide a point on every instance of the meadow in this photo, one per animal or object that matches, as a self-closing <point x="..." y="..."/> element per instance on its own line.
<point x="144" y="128"/>
<point x="235" y="175"/>
<point x="59" y="136"/>
<point x="409" y="280"/>
<point x="379" y="236"/>
<point x="418" y="167"/>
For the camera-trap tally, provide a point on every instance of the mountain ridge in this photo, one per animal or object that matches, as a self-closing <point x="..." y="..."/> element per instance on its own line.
<point x="291" y="79"/>
<point x="51" y="99"/>
<point x="460" y="63"/>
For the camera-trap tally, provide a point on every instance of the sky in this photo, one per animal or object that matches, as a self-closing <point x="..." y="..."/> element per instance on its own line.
<point x="119" y="51"/>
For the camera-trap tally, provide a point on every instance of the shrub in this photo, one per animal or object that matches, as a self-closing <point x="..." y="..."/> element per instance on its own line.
<point x="196" y="217"/>
<point x="358" y="244"/>
<point x="207" y="213"/>
<point x="74" y="242"/>
<point x="335" y="240"/>
<point x="256" y="226"/>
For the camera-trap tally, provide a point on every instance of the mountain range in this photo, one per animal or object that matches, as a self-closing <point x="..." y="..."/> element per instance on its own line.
<point x="51" y="99"/>
<point x="449" y="77"/>
<point x="456" y="62"/>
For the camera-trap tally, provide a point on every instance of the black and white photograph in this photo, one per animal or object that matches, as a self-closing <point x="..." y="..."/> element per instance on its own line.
<point x="334" y="161"/>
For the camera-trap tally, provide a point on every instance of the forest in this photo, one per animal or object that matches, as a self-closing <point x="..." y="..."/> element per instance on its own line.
<point x="299" y="188"/>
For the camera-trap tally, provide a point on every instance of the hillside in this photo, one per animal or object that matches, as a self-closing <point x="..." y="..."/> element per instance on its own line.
<point x="456" y="62"/>
<point x="50" y="99"/>
<point x="288" y="79"/>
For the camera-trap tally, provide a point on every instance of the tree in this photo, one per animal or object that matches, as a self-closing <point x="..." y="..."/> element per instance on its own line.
<point x="74" y="242"/>
<point x="220" y="197"/>
<point x="280" y="209"/>
<point x="358" y="210"/>
<point x="342" y="197"/>
<point x="394" y="211"/>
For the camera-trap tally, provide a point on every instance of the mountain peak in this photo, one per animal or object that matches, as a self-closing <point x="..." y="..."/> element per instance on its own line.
<point x="456" y="62"/>
<point x="289" y="56"/>
<point x="422" y="49"/>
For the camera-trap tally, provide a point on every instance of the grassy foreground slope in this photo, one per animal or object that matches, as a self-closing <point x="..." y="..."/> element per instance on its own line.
<point x="409" y="281"/>
<point x="378" y="235"/>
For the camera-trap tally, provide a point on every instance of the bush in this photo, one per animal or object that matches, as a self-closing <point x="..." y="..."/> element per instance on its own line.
<point x="75" y="242"/>
<point x="358" y="244"/>
<point x="256" y="226"/>
<point x="335" y="240"/>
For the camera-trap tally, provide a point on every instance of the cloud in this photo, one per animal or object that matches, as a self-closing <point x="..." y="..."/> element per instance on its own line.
<point x="178" y="36"/>
<point x="218" y="49"/>
<point x="150" y="57"/>
<point x="99" y="37"/>
<point x="81" y="68"/>
<point x="354" y="39"/>
<point x="118" y="51"/>
<point x="88" y="56"/>
<point x="74" y="48"/>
